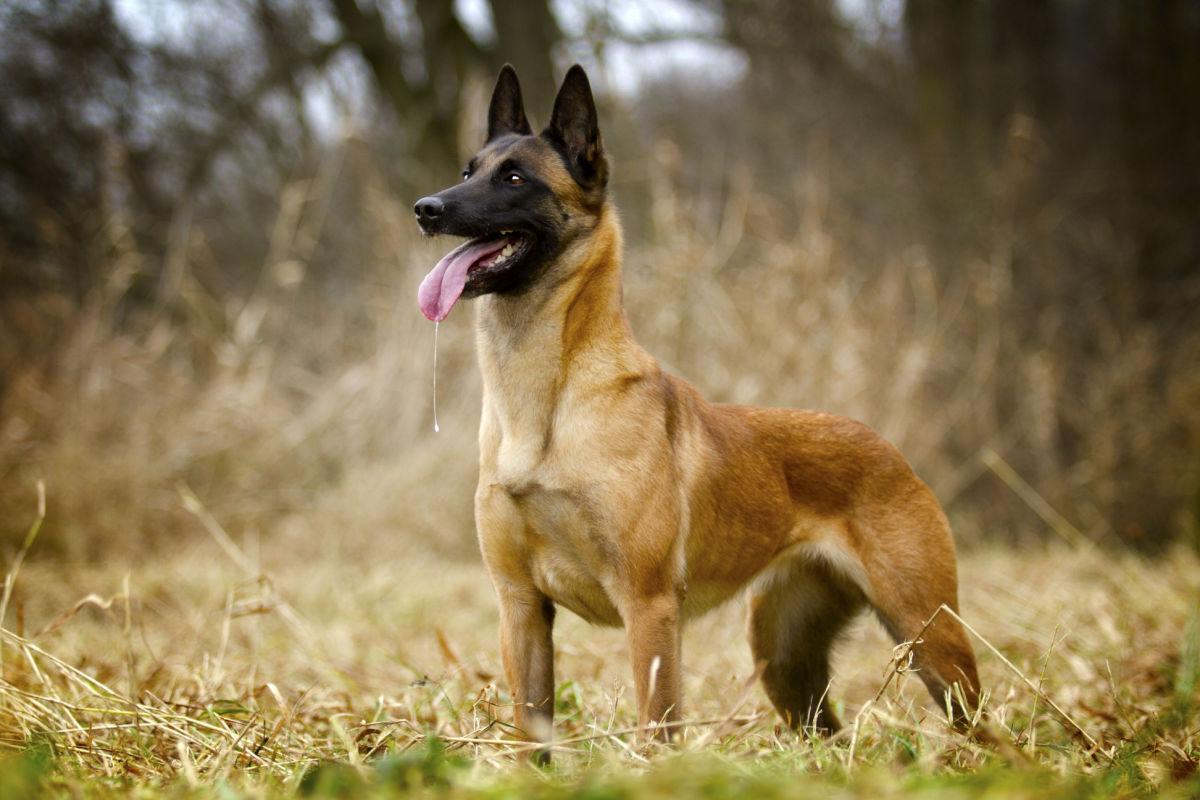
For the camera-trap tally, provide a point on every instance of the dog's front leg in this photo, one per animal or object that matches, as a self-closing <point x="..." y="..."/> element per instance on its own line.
<point x="653" y="627"/>
<point x="526" y="614"/>
<point x="527" y="651"/>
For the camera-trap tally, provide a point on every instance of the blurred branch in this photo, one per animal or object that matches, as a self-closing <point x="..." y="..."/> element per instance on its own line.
<point x="428" y="110"/>
<point x="1057" y="522"/>
<point x="665" y="37"/>
<point x="363" y="26"/>
<point x="243" y="108"/>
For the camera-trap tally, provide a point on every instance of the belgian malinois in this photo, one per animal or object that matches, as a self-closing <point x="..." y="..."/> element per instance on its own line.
<point x="614" y="489"/>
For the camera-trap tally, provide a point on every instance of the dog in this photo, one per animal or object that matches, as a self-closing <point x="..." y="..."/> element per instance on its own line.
<point x="614" y="489"/>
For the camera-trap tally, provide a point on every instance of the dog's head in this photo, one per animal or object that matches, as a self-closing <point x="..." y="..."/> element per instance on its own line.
<point x="523" y="198"/>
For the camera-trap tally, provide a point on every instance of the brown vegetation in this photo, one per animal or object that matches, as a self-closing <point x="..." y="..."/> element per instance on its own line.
<point x="932" y="234"/>
<point x="1026" y="335"/>
<point x="300" y="648"/>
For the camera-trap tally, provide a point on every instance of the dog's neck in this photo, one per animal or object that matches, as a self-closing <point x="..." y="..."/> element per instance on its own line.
<point x="529" y="344"/>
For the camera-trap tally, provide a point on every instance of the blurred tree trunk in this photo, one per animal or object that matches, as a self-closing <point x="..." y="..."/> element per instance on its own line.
<point x="939" y="38"/>
<point x="796" y="50"/>
<point x="428" y="103"/>
<point x="982" y="72"/>
<point x="429" y="118"/>
<point x="1159" y="130"/>
<point x="362" y="26"/>
<point x="526" y="34"/>
<point x="812" y="97"/>
<point x="1023" y="70"/>
<point x="787" y="38"/>
<point x="449" y="56"/>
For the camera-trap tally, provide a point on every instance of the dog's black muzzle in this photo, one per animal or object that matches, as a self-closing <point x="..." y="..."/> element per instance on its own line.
<point x="463" y="210"/>
<point x="429" y="211"/>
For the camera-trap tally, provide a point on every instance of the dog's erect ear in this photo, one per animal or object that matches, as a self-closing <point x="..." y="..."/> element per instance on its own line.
<point x="573" y="125"/>
<point x="507" y="111"/>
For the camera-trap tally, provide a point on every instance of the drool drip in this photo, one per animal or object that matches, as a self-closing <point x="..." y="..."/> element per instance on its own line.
<point x="435" y="338"/>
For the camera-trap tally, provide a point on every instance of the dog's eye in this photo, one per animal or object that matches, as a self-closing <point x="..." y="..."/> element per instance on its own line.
<point x="466" y="174"/>
<point x="514" y="179"/>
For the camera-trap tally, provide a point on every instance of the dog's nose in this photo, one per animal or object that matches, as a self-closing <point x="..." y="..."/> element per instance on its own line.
<point x="428" y="209"/>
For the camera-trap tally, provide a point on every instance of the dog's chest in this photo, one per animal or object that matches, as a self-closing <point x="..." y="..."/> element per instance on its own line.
<point x="517" y="464"/>
<point x="541" y="440"/>
<point x="547" y="460"/>
<point x="570" y="560"/>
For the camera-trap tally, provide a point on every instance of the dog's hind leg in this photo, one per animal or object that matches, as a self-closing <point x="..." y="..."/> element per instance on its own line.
<point x="941" y="654"/>
<point x="797" y="610"/>
<point x="911" y="577"/>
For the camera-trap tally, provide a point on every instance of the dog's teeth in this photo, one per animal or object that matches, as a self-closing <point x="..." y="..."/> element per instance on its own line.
<point x="502" y="256"/>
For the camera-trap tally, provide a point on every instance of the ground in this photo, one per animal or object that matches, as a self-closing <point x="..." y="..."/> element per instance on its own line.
<point x="305" y="663"/>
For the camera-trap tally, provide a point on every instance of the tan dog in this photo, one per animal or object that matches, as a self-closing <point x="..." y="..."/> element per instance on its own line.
<point x="614" y="489"/>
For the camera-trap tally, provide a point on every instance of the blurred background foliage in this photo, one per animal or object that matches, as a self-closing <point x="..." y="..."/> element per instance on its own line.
<point x="973" y="224"/>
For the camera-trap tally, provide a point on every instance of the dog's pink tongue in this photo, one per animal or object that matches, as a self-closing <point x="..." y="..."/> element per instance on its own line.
<point x="444" y="284"/>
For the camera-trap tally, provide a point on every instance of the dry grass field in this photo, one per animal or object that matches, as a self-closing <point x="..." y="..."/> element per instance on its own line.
<point x="256" y="571"/>
<point x="372" y="665"/>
